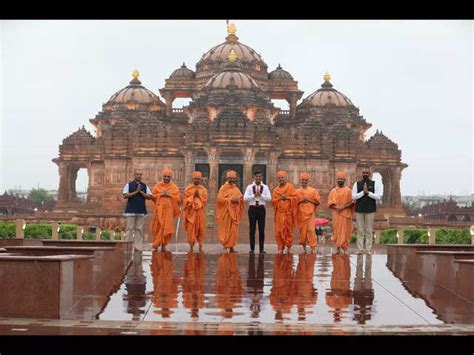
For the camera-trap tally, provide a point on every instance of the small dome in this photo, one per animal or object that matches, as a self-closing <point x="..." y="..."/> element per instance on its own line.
<point x="134" y="97"/>
<point x="182" y="73"/>
<point x="231" y="76"/>
<point x="328" y="96"/>
<point x="280" y="74"/>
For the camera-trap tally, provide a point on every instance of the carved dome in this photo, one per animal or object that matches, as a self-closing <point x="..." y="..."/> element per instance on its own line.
<point x="231" y="76"/>
<point x="221" y="52"/>
<point x="327" y="96"/>
<point x="211" y="62"/>
<point x="280" y="74"/>
<point x="183" y="73"/>
<point x="134" y="97"/>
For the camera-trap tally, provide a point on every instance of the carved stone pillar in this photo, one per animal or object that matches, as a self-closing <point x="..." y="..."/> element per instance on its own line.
<point x="189" y="158"/>
<point x="272" y="160"/>
<point x="63" y="182"/>
<point x="168" y="102"/>
<point x="248" y="158"/>
<point x="292" y="101"/>
<point x="386" y="199"/>
<point x="213" y="157"/>
<point x="72" y="177"/>
<point x="396" y="197"/>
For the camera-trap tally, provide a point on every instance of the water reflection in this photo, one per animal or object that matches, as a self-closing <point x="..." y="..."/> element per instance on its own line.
<point x="193" y="283"/>
<point x="282" y="291"/>
<point x="228" y="284"/>
<point x="340" y="295"/>
<point x="135" y="286"/>
<point x="363" y="290"/>
<point x="212" y="289"/>
<point x="255" y="283"/>
<point x="165" y="286"/>
<point x="305" y="293"/>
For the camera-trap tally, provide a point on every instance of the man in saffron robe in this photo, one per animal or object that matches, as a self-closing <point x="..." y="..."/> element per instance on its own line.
<point x="167" y="197"/>
<point x="341" y="203"/>
<point x="308" y="201"/>
<point x="194" y="207"/>
<point x="230" y="206"/>
<point x="284" y="202"/>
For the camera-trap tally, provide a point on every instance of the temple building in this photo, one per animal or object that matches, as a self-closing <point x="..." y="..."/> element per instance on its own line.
<point x="230" y="123"/>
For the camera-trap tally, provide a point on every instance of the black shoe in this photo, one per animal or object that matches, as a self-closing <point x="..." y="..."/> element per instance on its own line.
<point x="251" y="252"/>
<point x="263" y="252"/>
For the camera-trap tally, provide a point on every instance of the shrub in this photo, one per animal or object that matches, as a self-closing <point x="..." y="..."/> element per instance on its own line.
<point x="416" y="236"/>
<point x="105" y="235"/>
<point x="7" y="230"/>
<point x="67" y="231"/>
<point x="389" y="236"/>
<point x="38" y="231"/>
<point x="453" y="236"/>
<point x="353" y="239"/>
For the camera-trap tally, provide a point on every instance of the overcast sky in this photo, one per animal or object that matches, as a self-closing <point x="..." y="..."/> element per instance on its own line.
<point x="413" y="80"/>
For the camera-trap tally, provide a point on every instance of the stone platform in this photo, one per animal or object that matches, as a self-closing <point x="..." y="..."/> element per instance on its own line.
<point x="178" y="292"/>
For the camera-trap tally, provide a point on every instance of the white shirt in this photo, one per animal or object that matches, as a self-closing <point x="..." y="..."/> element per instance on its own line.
<point x="125" y="191"/>
<point x="374" y="195"/>
<point x="249" y="196"/>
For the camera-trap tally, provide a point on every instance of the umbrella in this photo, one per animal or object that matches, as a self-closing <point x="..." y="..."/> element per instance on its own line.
<point x="321" y="222"/>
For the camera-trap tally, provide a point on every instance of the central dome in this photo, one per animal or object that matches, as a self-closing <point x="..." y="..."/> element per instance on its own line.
<point x="212" y="61"/>
<point x="221" y="52"/>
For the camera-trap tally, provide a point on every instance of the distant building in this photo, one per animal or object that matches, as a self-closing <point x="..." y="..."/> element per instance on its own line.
<point x="448" y="210"/>
<point x="11" y="205"/>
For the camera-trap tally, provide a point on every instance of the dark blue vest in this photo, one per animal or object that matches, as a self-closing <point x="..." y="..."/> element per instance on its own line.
<point x="365" y="204"/>
<point x="136" y="204"/>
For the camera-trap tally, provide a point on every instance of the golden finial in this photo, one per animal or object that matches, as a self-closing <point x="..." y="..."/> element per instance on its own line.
<point x="327" y="77"/>
<point x="135" y="73"/>
<point x="232" y="56"/>
<point x="231" y="29"/>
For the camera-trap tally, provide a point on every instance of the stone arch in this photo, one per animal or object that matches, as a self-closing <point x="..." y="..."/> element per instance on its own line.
<point x="67" y="179"/>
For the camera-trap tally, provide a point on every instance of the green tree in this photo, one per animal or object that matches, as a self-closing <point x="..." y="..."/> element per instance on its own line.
<point x="40" y="196"/>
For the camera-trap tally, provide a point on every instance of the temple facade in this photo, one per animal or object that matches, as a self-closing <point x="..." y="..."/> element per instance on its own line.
<point x="230" y="123"/>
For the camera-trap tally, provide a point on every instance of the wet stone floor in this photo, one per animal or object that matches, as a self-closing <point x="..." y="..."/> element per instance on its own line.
<point x="295" y="288"/>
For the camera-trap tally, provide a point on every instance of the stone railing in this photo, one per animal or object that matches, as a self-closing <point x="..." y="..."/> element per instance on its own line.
<point x="431" y="234"/>
<point x="20" y="226"/>
<point x="423" y="222"/>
